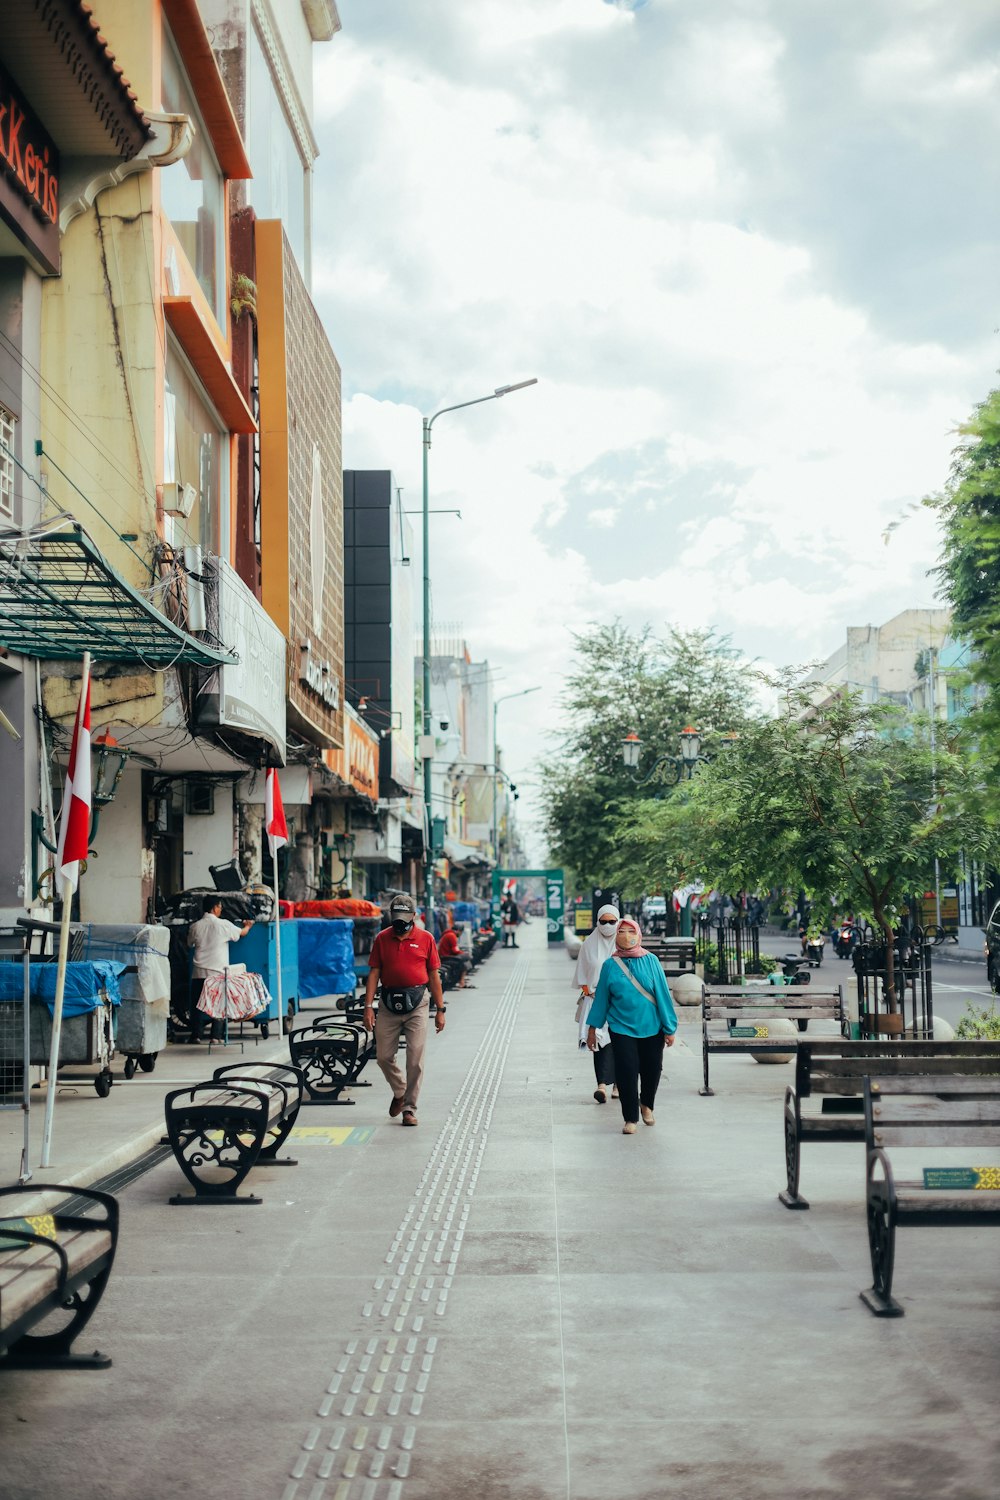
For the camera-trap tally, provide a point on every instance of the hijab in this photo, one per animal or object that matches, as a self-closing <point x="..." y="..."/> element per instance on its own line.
<point x="627" y="953"/>
<point x="596" y="948"/>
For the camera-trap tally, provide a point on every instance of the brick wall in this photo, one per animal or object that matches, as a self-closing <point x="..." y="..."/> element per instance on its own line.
<point x="314" y="421"/>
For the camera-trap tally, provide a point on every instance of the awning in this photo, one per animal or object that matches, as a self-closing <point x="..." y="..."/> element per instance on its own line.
<point x="465" y="856"/>
<point x="59" y="598"/>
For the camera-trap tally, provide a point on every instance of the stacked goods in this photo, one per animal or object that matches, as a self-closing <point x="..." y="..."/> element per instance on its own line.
<point x="346" y="906"/>
<point x="326" y="955"/>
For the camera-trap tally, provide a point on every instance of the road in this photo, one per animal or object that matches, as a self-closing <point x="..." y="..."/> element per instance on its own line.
<point x="954" y="983"/>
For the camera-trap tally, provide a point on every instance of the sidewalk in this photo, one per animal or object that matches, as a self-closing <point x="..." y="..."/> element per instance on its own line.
<point x="516" y="1302"/>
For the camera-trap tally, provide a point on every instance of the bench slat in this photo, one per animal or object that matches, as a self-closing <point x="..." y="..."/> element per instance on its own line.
<point x="890" y="1090"/>
<point x="38" y="1278"/>
<point x="961" y="1133"/>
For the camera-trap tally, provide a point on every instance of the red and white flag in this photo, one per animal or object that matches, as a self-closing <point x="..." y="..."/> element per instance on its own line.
<point x="274" y="813"/>
<point x="74" y="820"/>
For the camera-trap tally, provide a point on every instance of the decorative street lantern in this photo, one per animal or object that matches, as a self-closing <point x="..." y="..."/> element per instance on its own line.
<point x="631" y="746"/>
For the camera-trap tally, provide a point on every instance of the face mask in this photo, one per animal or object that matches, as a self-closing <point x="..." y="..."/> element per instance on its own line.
<point x="401" y="927"/>
<point x="628" y="938"/>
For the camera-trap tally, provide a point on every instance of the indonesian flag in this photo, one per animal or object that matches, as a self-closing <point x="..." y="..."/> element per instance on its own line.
<point x="274" y="813"/>
<point x="74" y="820"/>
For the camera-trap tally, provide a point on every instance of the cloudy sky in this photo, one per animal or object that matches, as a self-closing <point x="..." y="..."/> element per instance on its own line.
<point x="749" y="249"/>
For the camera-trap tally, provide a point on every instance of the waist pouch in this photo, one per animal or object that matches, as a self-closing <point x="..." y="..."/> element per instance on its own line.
<point x="402" y="1002"/>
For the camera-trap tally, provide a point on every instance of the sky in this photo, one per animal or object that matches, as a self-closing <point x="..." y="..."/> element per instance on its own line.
<point x="749" y="250"/>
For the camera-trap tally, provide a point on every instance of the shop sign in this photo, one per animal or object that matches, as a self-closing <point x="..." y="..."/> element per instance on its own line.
<point x="362" y="750"/>
<point x="29" y="177"/>
<point x="250" y="695"/>
<point x="318" y="676"/>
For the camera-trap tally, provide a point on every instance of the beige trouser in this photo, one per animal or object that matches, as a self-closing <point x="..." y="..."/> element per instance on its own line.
<point x="387" y="1032"/>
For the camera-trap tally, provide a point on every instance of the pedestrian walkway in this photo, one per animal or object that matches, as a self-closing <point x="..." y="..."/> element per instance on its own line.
<point x="517" y="1302"/>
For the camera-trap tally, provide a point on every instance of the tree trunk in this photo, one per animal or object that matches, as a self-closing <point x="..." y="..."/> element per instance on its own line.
<point x="890" y="959"/>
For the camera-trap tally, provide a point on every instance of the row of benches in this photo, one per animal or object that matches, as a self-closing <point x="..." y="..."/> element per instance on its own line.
<point x="889" y="1094"/>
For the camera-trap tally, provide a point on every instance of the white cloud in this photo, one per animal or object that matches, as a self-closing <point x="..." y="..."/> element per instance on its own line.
<point x="725" y="420"/>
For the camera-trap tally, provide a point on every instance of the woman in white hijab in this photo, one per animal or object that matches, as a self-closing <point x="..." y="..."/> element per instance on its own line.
<point x="597" y="946"/>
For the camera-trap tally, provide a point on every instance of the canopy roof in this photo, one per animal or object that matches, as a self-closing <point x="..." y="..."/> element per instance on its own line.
<point x="59" y="598"/>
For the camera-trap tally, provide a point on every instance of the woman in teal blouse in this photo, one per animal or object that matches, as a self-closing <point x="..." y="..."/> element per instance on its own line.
<point x="633" y="1001"/>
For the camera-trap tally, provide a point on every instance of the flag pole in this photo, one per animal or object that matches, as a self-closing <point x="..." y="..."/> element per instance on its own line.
<point x="277" y="941"/>
<point x="276" y="829"/>
<point x="68" y="887"/>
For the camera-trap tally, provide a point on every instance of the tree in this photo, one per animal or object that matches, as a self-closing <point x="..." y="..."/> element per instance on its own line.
<point x="852" y="802"/>
<point x="969" y="507"/>
<point x="624" y="681"/>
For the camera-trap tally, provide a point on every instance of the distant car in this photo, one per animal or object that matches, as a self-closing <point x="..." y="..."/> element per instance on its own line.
<point x="992" y="945"/>
<point x="654" y="906"/>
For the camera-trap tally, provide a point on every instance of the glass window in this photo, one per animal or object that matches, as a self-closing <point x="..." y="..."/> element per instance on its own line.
<point x="8" y="439"/>
<point x="278" y="187"/>
<point x="196" y="453"/>
<point x="192" y="191"/>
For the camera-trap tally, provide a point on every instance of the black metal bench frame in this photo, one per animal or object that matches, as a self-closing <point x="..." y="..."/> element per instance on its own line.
<point x="836" y="1069"/>
<point x="951" y="1110"/>
<point x="736" y="1004"/>
<point x="76" y="1292"/>
<point x="235" y="1121"/>
<point x="330" y="1053"/>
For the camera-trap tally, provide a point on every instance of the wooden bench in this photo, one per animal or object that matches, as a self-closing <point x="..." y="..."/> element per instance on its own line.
<point x="238" y="1119"/>
<point x="54" y="1262"/>
<point x="742" y="1012"/>
<point x="330" y="1053"/>
<point x="953" y="1110"/>
<point x="676" y="954"/>
<point x="834" y="1071"/>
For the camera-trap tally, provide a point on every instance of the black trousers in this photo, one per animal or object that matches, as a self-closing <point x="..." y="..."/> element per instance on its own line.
<point x="604" y="1066"/>
<point x="638" y="1065"/>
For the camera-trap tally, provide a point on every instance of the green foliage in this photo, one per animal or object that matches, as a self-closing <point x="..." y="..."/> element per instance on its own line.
<point x="969" y="508"/>
<point x="624" y="681"/>
<point x="978" y="1024"/>
<point x="850" y="802"/>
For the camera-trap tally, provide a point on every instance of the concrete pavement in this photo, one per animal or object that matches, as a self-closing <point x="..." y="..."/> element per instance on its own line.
<point x="516" y="1302"/>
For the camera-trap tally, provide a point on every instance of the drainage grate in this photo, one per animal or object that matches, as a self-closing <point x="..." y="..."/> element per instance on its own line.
<point x="117" y="1180"/>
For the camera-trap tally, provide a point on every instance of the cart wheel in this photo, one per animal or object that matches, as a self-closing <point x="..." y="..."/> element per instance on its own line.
<point x="102" y="1083"/>
<point x="265" y="1030"/>
<point x="129" y="1069"/>
<point x="147" y="1061"/>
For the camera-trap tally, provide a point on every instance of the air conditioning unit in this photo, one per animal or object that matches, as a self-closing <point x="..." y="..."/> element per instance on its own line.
<point x="179" y="499"/>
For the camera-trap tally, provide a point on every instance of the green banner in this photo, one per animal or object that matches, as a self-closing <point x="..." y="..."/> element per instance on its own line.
<point x="555" y="898"/>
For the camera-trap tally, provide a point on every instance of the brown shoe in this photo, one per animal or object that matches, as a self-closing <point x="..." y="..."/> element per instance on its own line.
<point x="648" y="1118"/>
<point x="409" y="1117"/>
<point x="628" y="1128"/>
<point x="395" y="1108"/>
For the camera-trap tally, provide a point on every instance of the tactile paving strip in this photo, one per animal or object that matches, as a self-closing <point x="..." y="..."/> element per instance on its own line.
<point x="361" y="1446"/>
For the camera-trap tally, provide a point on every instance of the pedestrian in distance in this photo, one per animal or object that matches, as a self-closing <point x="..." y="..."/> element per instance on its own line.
<point x="403" y="965"/>
<point x="634" y="1002"/>
<point x="598" y="946"/>
<point x="210" y="937"/>
<point x="510" y="916"/>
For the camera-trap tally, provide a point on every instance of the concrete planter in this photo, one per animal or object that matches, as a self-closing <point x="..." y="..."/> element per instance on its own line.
<point x="777" y="1028"/>
<point x="686" y="989"/>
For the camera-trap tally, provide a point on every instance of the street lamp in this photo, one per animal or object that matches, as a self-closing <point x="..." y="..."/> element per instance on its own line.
<point x="427" y="744"/>
<point x="683" y="765"/>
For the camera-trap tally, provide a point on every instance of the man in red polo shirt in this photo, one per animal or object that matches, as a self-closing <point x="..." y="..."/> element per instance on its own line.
<point x="404" y="958"/>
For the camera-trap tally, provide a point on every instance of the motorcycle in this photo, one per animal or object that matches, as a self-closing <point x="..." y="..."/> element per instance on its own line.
<point x="814" y="950"/>
<point x="847" y="937"/>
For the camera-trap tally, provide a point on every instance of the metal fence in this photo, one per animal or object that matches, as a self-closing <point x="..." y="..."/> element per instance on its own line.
<point x="913" y="950"/>
<point x="730" y="948"/>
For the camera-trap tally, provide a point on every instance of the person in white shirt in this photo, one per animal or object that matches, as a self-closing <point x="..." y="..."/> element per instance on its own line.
<point x="210" y="937"/>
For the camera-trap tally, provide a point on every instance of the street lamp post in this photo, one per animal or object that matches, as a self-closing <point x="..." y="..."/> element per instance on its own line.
<point x="496" y="704"/>
<point x="426" y="751"/>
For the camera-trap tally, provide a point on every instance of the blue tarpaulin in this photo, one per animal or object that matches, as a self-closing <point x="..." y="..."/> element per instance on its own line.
<point x="85" y="983"/>
<point x="326" y="956"/>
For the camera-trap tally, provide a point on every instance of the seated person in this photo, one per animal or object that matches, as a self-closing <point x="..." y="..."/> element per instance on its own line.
<point x="449" y="949"/>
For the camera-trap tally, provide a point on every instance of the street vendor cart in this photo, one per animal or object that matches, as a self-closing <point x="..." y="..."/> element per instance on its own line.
<point x="89" y="1004"/>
